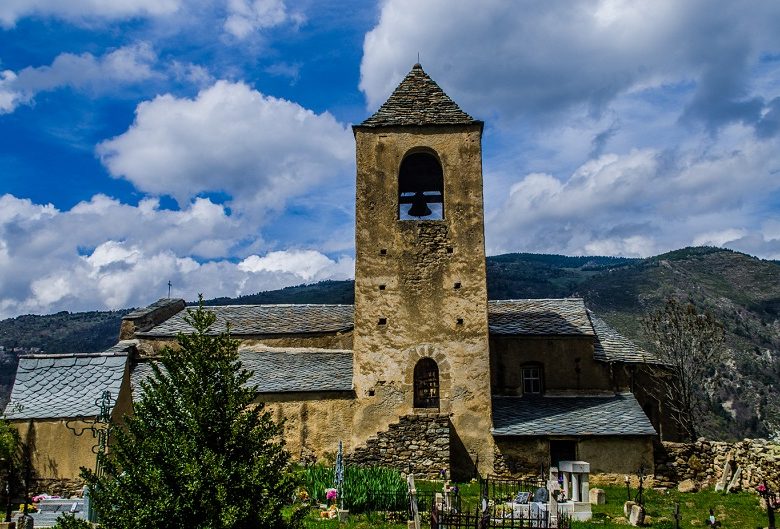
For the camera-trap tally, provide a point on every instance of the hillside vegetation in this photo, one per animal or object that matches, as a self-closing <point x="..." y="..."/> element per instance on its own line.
<point x="741" y="291"/>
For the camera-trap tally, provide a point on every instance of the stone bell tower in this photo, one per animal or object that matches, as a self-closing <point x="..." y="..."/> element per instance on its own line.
<point x="421" y="331"/>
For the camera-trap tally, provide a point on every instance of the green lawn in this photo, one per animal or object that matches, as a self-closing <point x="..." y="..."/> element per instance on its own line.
<point x="733" y="511"/>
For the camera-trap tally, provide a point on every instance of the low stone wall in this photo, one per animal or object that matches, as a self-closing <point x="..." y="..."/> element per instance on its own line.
<point x="418" y="443"/>
<point x="703" y="462"/>
<point x="65" y="488"/>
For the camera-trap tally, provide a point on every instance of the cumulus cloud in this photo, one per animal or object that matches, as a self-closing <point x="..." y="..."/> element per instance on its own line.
<point x="547" y="58"/>
<point x="84" y="10"/>
<point x="229" y="138"/>
<point x="248" y="16"/>
<point x="309" y="265"/>
<point x="647" y="201"/>
<point x="105" y="254"/>
<point x="127" y="65"/>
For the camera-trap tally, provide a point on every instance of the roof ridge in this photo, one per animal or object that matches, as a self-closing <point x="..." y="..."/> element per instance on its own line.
<point x="44" y="356"/>
<point x="573" y="298"/>
<point x="279" y="305"/>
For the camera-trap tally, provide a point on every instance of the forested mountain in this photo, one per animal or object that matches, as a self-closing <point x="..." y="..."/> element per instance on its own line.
<point x="741" y="291"/>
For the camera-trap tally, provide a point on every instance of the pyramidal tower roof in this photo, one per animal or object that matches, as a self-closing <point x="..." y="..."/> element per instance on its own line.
<point x="418" y="101"/>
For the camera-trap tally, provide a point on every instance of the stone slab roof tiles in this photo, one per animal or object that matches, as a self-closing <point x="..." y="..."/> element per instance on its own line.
<point x="576" y="416"/>
<point x="265" y="320"/>
<point x="556" y="317"/>
<point x="67" y="385"/>
<point x="611" y="346"/>
<point x="418" y="101"/>
<point x="284" y="371"/>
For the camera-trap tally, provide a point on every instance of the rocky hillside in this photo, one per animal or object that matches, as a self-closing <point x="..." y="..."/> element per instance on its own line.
<point x="741" y="291"/>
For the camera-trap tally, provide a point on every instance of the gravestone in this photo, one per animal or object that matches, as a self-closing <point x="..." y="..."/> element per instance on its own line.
<point x="735" y="484"/>
<point x="637" y="515"/>
<point x="725" y="477"/>
<point x="597" y="497"/>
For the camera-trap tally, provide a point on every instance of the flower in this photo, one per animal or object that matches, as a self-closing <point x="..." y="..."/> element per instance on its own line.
<point x="331" y="494"/>
<point x="761" y="488"/>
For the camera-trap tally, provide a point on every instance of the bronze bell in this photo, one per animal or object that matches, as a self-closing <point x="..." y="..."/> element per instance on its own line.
<point x="419" y="206"/>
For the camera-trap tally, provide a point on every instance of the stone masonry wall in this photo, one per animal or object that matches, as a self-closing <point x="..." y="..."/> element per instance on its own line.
<point x="704" y="461"/>
<point x="418" y="443"/>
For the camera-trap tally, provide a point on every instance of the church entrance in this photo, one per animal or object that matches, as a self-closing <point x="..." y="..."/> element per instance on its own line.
<point x="562" y="451"/>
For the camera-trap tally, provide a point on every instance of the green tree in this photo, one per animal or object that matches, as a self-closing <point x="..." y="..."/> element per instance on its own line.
<point x="689" y="344"/>
<point x="196" y="453"/>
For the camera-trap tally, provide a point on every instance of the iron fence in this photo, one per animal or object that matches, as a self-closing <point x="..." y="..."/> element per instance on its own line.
<point x="501" y="489"/>
<point x="496" y="518"/>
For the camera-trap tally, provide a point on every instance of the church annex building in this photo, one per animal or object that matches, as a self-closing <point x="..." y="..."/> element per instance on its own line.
<point x="423" y="372"/>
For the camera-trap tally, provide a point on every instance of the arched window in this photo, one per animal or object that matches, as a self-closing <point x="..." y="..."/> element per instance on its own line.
<point x="426" y="384"/>
<point x="420" y="188"/>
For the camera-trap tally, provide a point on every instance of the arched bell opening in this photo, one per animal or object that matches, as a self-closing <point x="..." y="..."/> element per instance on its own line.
<point x="426" y="384"/>
<point x="420" y="188"/>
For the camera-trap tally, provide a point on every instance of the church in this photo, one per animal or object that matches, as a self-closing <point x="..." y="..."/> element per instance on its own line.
<point x="423" y="373"/>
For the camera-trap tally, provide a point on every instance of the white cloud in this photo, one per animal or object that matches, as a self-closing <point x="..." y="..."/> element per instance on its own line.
<point x="230" y="138"/>
<point x="647" y="201"/>
<point x="84" y="10"/>
<point x="542" y="59"/>
<point x="123" y="66"/>
<point x="309" y="265"/>
<point x="103" y="254"/>
<point x="248" y="16"/>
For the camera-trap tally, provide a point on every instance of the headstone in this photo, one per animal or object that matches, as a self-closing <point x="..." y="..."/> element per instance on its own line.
<point x="725" y="477"/>
<point x="627" y="508"/>
<point x="735" y="483"/>
<point x="637" y="515"/>
<point x="597" y="497"/>
<point x="541" y="495"/>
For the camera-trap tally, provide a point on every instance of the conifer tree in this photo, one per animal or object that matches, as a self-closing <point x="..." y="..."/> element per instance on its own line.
<point x="196" y="453"/>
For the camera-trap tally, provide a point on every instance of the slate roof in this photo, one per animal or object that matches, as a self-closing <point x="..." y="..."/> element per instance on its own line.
<point x="280" y="371"/>
<point x="67" y="385"/>
<point x="418" y="101"/>
<point x="577" y="416"/>
<point x="557" y="317"/>
<point x="611" y="346"/>
<point x="265" y="320"/>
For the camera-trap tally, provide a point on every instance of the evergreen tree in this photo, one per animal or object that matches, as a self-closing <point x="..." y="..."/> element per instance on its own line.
<point x="196" y="453"/>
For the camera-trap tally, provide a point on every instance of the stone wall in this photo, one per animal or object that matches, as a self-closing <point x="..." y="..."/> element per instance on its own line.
<point x="418" y="443"/>
<point x="703" y="462"/>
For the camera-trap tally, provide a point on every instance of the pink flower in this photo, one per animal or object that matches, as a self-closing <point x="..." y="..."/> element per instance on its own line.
<point x="331" y="494"/>
<point x="761" y="488"/>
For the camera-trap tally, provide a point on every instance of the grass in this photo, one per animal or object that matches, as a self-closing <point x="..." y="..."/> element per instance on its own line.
<point x="733" y="511"/>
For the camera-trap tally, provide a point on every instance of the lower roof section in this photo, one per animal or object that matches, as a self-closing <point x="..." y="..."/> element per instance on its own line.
<point x="66" y="385"/>
<point x="283" y="371"/>
<point x="569" y="416"/>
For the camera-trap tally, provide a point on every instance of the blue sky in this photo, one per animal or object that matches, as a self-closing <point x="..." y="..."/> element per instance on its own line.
<point x="208" y="143"/>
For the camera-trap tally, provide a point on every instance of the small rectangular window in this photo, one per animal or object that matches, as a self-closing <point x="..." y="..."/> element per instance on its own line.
<point x="383" y="251"/>
<point x="382" y="321"/>
<point x="457" y="286"/>
<point x="381" y="287"/>
<point x="532" y="380"/>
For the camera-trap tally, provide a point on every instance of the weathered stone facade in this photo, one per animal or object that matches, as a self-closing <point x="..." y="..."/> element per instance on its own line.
<point x="703" y="462"/>
<point x="418" y="443"/>
<point x="420" y="287"/>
